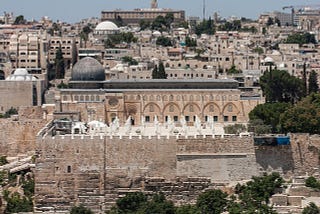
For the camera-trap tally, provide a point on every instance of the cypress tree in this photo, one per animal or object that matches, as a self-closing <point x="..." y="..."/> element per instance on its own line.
<point x="313" y="82"/>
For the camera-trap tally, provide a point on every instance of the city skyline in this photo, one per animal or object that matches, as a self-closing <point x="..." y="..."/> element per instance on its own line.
<point x="75" y="10"/>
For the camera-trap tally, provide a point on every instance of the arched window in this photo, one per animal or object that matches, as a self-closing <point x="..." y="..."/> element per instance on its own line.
<point x="87" y="97"/>
<point x="151" y="98"/>
<point x="81" y="98"/>
<point x="151" y="108"/>
<point x="76" y="98"/>
<point x="158" y="98"/>
<point x="211" y="108"/>
<point x="65" y="98"/>
<point x="97" y="98"/>
<point x="92" y="98"/>
<point x="191" y="97"/>
<point x="211" y="97"/>
<point x="171" y="108"/>
<point x="230" y="108"/>
<point x="171" y="98"/>
<point x="178" y="98"/>
<point x="191" y="109"/>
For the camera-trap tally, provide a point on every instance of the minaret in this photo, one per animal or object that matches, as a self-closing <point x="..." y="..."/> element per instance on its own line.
<point x="154" y="4"/>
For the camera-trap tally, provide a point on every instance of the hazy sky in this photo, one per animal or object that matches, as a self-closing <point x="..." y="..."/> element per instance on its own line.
<point x="75" y="10"/>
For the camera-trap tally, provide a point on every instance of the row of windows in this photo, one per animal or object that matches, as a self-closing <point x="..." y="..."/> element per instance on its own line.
<point x="191" y="108"/>
<point x="193" y="118"/>
<point x="183" y="97"/>
<point x="82" y="98"/>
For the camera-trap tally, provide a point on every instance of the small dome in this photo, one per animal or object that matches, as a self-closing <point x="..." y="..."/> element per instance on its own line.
<point x="21" y="74"/>
<point x="268" y="59"/>
<point x="107" y="26"/>
<point x="88" y="69"/>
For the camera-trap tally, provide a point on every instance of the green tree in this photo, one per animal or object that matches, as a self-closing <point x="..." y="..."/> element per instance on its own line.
<point x="301" y="38"/>
<point x="311" y="209"/>
<point x="159" y="204"/>
<point x="280" y="86"/>
<point x="304" y="117"/>
<point x="277" y="21"/>
<point x="19" y="20"/>
<point x="161" y="71"/>
<point x="155" y="74"/>
<point x="187" y="209"/>
<point x="169" y="19"/>
<point x="131" y="203"/>
<point x="17" y="203"/>
<point x="129" y="60"/>
<point x="313" y="86"/>
<point x="234" y="129"/>
<point x="258" y="127"/>
<point x="84" y="34"/>
<point x="269" y="114"/>
<point x="3" y="160"/>
<point x="11" y="111"/>
<point x="80" y="210"/>
<point x="270" y="21"/>
<point x="258" y="50"/>
<point x="59" y="64"/>
<point x="144" y="24"/>
<point x="205" y="27"/>
<point x="164" y="41"/>
<point x="212" y="201"/>
<point x="233" y="70"/>
<point x="312" y="182"/>
<point x="191" y="42"/>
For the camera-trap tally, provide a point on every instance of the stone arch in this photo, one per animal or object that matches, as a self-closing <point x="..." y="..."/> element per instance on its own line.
<point x="151" y="114"/>
<point x="207" y="112"/>
<point x="173" y="110"/>
<point x="167" y="65"/>
<point x="190" y="110"/>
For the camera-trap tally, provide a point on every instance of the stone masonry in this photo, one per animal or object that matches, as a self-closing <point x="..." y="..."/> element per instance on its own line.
<point x="96" y="170"/>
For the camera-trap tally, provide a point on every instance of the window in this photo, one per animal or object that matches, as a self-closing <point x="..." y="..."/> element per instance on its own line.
<point x="76" y="98"/>
<point x="171" y="108"/>
<point x="206" y="118"/>
<point x="215" y="118"/>
<point x="187" y="118"/>
<point x="211" y="108"/>
<point x="147" y="118"/>
<point x="225" y="118"/>
<point x="81" y="98"/>
<point x="151" y="108"/>
<point x="97" y="98"/>
<point x="191" y="109"/>
<point x="175" y="118"/>
<point x="69" y="169"/>
<point x="87" y="97"/>
<point x="234" y="118"/>
<point x="166" y="118"/>
<point x="230" y="108"/>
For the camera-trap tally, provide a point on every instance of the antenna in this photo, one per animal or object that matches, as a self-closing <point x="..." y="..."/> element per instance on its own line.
<point x="204" y="9"/>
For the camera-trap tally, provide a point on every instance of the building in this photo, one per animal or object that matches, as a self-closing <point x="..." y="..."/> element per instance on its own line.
<point x="134" y="17"/>
<point x="143" y="100"/>
<point x="21" y="89"/>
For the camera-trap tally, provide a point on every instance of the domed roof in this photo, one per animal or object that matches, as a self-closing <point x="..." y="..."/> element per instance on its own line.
<point x="268" y="59"/>
<point x="107" y="25"/>
<point x="21" y="74"/>
<point x="88" y="69"/>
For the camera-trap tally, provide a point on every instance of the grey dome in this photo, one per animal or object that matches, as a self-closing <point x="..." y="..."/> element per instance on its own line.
<point x="88" y="69"/>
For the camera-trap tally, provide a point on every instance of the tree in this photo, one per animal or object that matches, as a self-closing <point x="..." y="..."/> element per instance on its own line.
<point x="304" y="117"/>
<point x="161" y="71"/>
<point x="191" y="42"/>
<point x="187" y="209"/>
<point x="129" y="60"/>
<point x="205" y="27"/>
<point x="269" y="114"/>
<point x="3" y="160"/>
<point x="131" y="202"/>
<point x="301" y="38"/>
<point x="164" y="41"/>
<point x="84" y="35"/>
<point x="233" y="70"/>
<point x="311" y="209"/>
<point x="277" y="21"/>
<point x="80" y="210"/>
<point x="212" y="201"/>
<point x="258" y="127"/>
<point x="313" y="82"/>
<point x="155" y="72"/>
<point x="59" y="64"/>
<point x="19" y="20"/>
<point x="144" y="24"/>
<point x="312" y="183"/>
<point x="169" y="18"/>
<point x="17" y="203"/>
<point x="270" y="21"/>
<point x="280" y="86"/>
<point x="11" y="111"/>
<point x="159" y="204"/>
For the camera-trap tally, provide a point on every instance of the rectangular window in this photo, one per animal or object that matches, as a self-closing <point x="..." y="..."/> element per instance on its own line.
<point x="206" y="118"/>
<point x="147" y="118"/>
<point x="234" y="118"/>
<point x="175" y="118"/>
<point x="166" y="118"/>
<point x="69" y="169"/>
<point x="215" y="118"/>
<point x="187" y="118"/>
<point x="225" y="118"/>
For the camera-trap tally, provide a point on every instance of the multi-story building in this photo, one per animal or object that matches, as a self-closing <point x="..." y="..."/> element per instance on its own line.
<point x="133" y="17"/>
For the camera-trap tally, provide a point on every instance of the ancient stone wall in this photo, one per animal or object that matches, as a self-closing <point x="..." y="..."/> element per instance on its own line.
<point x="97" y="170"/>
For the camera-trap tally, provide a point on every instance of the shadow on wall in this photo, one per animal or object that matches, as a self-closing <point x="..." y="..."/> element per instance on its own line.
<point x="275" y="158"/>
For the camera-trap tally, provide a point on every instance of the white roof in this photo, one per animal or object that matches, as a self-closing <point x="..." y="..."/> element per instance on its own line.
<point x="21" y="74"/>
<point x="107" y="25"/>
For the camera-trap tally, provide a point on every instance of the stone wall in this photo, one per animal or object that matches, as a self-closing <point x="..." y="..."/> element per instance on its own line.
<point x="97" y="170"/>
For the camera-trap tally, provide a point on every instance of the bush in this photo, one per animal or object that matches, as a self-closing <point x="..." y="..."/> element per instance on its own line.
<point x="3" y="160"/>
<point x="235" y="129"/>
<point x="16" y="204"/>
<point x="311" y="209"/>
<point x="313" y="183"/>
<point x="80" y="210"/>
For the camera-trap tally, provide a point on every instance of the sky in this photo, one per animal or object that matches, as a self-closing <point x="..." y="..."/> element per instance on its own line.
<point x="75" y="10"/>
